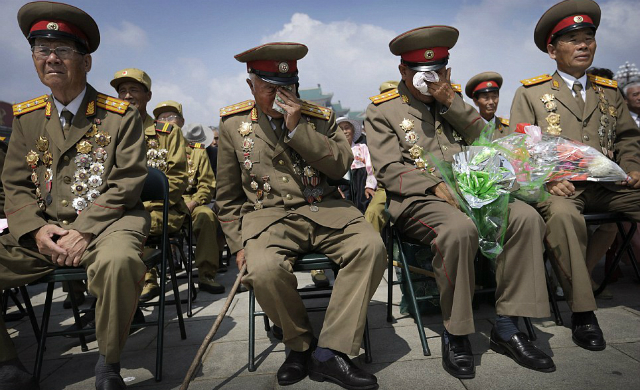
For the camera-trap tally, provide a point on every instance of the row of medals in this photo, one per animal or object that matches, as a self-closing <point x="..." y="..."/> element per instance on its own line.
<point x="89" y="167"/>
<point x="310" y="176"/>
<point x="191" y="172"/>
<point x="607" y="110"/>
<point x="156" y="158"/>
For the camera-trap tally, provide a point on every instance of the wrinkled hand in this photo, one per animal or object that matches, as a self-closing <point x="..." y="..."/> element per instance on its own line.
<point x="292" y="106"/>
<point x="192" y="205"/>
<point x="633" y="180"/>
<point x="240" y="259"/>
<point x="369" y="193"/>
<point x="561" y="188"/>
<point x="442" y="90"/>
<point x="74" y="243"/>
<point x="441" y="191"/>
<point x="46" y="243"/>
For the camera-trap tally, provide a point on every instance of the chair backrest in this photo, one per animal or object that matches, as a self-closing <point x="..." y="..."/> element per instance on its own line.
<point x="156" y="186"/>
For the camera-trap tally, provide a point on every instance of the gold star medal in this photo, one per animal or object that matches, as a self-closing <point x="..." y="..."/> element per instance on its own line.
<point x="83" y="146"/>
<point x="32" y="159"/>
<point x="42" y="143"/>
<point x="407" y="124"/>
<point x="102" y="138"/>
<point x="47" y="158"/>
<point x="553" y="119"/>
<point x="415" y="151"/>
<point x="92" y="131"/>
<point x="245" y="129"/>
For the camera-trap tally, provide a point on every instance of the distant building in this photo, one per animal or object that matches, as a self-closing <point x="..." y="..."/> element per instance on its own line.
<point x="315" y="95"/>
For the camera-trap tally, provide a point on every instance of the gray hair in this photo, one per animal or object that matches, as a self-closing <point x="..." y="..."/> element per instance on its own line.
<point x="635" y="83"/>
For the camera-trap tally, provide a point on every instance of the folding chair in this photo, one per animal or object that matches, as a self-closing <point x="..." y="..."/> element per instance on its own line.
<point x="308" y="262"/>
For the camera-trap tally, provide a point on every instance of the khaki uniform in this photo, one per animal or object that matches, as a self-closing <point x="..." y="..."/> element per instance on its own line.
<point x="105" y="137"/>
<point x="393" y="121"/>
<point x="201" y="187"/>
<point x="292" y="210"/>
<point x="605" y="112"/>
<point x="166" y="151"/>
<point x="502" y="128"/>
<point x="375" y="213"/>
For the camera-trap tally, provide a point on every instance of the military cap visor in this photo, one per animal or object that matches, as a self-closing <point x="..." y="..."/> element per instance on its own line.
<point x="425" y="48"/>
<point x="167" y="106"/>
<point x="483" y="82"/>
<point x="45" y="19"/>
<point x="564" y="17"/>
<point x="275" y="62"/>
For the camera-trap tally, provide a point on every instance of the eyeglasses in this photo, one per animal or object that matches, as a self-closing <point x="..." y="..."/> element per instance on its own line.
<point x="169" y="118"/>
<point x="62" y="52"/>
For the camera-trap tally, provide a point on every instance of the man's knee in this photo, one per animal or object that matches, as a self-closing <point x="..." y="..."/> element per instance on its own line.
<point x="458" y="231"/>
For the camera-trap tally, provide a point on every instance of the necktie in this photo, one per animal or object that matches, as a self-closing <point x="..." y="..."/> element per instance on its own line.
<point x="278" y="124"/>
<point x="577" y="88"/>
<point x="68" y="117"/>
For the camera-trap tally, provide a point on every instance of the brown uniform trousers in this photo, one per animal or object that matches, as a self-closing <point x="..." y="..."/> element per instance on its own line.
<point x="566" y="232"/>
<point x="116" y="217"/>
<point x="283" y="226"/>
<point x="521" y="288"/>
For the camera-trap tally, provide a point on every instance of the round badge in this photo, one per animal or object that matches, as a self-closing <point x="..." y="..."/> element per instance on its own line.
<point x="283" y="67"/>
<point x="429" y="54"/>
<point x="52" y="26"/>
<point x="578" y="19"/>
<point x="489" y="84"/>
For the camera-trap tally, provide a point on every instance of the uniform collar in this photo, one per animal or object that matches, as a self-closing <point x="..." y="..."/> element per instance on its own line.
<point x="72" y="107"/>
<point x="487" y="121"/>
<point x="570" y="80"/>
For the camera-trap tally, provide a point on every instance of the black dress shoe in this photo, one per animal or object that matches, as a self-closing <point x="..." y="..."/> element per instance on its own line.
<point x="111" y="384"/>
<point x="522" y="350"/>
<point x="457" y="358"/>
<point x="276" y="331"/>
<point x="343" y="372"/>
<point x="294" y="368"/>
<point x="588" y="335"/>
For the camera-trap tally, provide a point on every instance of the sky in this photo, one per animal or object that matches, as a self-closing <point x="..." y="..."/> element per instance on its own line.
<point x="187" y="47"/>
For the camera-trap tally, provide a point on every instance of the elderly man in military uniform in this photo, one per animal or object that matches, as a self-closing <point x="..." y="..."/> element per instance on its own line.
<point x="275" y="158"/>
<point x="165" y="151"/>
<point x="73" y="177"/>
<point x="591" y="110"/>
<point x="484" y="90"/>
<point x="424" y="119"/>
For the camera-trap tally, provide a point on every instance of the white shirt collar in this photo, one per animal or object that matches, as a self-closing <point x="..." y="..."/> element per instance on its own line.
<point x="492" y="120"/>
<point x="72" y="107"/>
<point x="634" y="116"/>
<point x="570" y="80"/>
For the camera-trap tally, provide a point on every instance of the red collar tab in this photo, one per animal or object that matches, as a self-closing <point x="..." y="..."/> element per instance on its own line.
<point x="426" y="55"/>
<point x="568" y="22"/>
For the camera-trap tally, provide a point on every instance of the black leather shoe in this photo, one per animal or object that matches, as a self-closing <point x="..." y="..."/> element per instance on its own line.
<point x="276" y="331"/>
<point x="588" y="336"/>
<point x="522" y="350"/>
<point x="457" y="357"/>
<point x="294" y="368"/>
<point x="343" y="372"/>
<point x="111" y="384"/>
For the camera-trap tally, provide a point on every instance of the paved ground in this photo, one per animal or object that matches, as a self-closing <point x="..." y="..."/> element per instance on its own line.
<point x="398" y="361"/>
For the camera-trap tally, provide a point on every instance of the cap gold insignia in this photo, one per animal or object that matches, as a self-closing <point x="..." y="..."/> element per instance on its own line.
<point x="52" y="26"/>
<point x="429" y="54"/>
<point x="578" y="19"/>
<point x="42" y="143"/>
<point x="283" y="67"/>
<point x="489" y="84"/>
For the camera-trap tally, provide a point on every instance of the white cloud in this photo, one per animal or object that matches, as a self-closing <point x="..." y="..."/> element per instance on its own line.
<point x="128" y="35"/>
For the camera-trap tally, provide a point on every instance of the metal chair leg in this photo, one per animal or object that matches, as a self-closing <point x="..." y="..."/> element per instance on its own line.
<point x="530" y="329"/>
<point x="626" y="242"/>
<point x="30" y="312"/>
<point x="389" y="241"/>
<point x="367" y="343"/>
<point x="43" y="334"/>
<point x="552" y="297"/>
<point x="252" y="331"/>
<point x="76" y="317"/>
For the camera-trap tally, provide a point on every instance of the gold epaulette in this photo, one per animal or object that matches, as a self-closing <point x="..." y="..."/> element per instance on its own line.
<point x="535" y="80"/>
<point x="238" y="107"/>
<point x="30" y="105"/>
<point x="112" y="104"/>
<point x="457" y="87"/>
<point x="603" y="81"/>
<point x="383" y="97"/>
<point x="504" y="121"/>
<point x="164" y="127"/>
<point x="311" y="109"/>
<point x="197" y="145"/>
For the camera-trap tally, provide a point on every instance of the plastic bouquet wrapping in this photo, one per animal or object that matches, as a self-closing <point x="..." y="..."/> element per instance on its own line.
<point x="481" y="179"/>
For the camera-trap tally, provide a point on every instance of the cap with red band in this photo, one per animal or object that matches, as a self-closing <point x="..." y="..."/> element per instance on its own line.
<point x="564" y="17"/>
<point x="483" y="82"/>
<point x="45" y="19"/>
<point x="276" y="62"/>
<point x="425" y="48"/>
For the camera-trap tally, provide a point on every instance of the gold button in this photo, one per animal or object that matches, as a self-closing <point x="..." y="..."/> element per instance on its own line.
<point x="65" y="222"/>
<point x="66" y="158"/>
<point x="439" y="131"/>
<point x="65" y="202"/>
<point x="444" y="147"/>
<point x="289" y="197"/>
<point x="585" y="137"/>
<point x="281" y="162"/>
<point x="285" y="179"/>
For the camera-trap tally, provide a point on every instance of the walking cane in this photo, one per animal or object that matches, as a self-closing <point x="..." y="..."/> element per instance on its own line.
<point x="207" y="340"/>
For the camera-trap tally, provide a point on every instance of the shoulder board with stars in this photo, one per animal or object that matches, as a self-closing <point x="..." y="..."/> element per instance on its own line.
<point x="383" y="97"/>
<point x="504" y="121"/>
<point x="457" y="87"/>
<point x="30" y="105"/>
<point x="197" y="145"/>
<point x="535" y="80"/>
<point x="236" y="108"/>
<point x="311" y="109"/>
<point x="603" y="81"/>
<point x="111" y="104"/>
<point x="164" y="127"/>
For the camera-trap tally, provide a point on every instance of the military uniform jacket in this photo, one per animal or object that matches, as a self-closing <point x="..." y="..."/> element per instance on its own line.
<point x="247" y="140"/>
<point x="102" y="159"/>
<point x="502" y="127"/>
<point x="201" y="182"/>
<point x="546" y="101"/>
<point x="166" y="151"/>
<point x="404" y="135"/>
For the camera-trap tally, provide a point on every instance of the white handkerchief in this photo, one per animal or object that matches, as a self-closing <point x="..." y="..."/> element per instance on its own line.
<point x="420" y="80"/>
